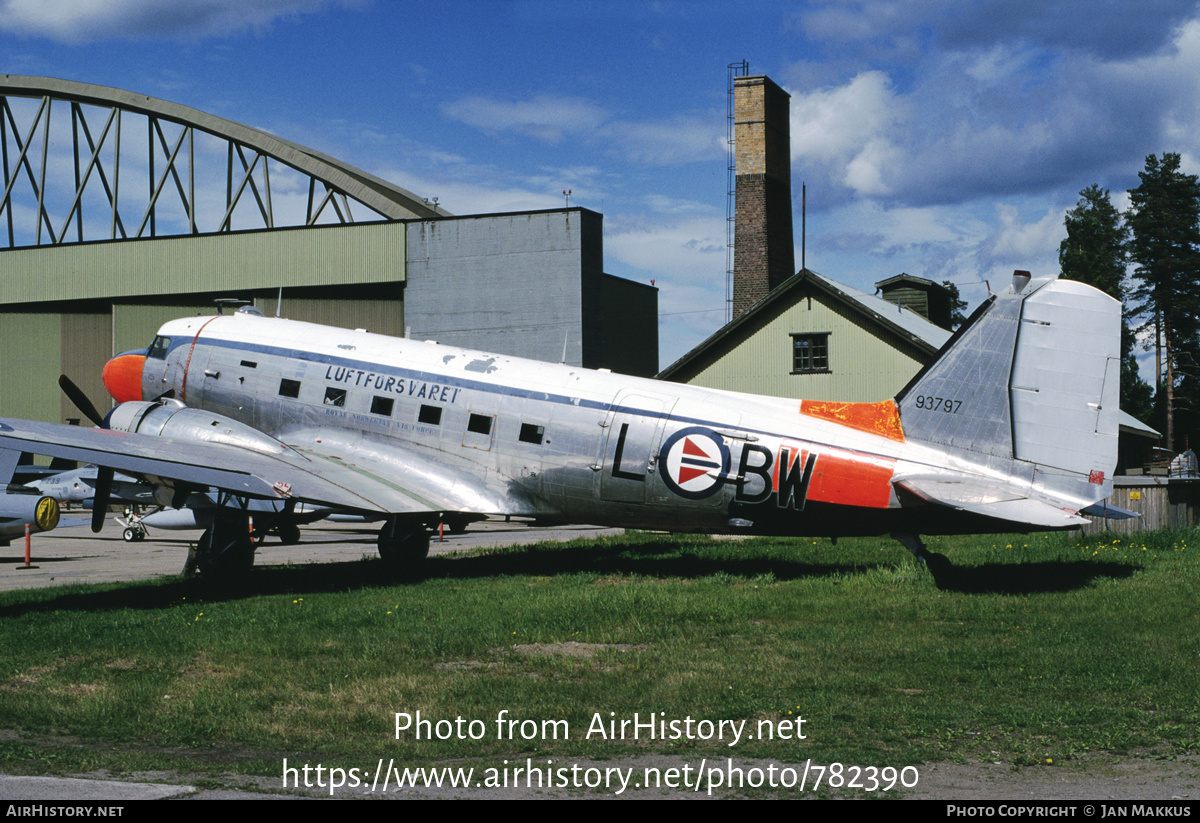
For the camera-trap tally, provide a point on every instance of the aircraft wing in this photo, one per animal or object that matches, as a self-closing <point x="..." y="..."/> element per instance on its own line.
<point x="315" y="473"/>
<point x="434" y="486"/>
<point x="991" y="501"/>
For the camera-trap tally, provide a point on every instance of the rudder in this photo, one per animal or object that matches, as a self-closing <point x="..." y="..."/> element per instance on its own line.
<point x="1034" y="378"/>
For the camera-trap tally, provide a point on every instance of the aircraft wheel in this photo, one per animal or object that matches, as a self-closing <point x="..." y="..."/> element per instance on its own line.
<point x="456" y="523"/>
<point x="289" y="534"/>
<point x="403" y="543"/>
<point x="225" y="548"/>
<point x="130" y="535"/>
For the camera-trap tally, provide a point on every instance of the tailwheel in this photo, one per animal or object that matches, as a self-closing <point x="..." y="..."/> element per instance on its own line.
<point x="936" y="563"/>
<point x="403" y="542"/>
<point x="226" y="547"/>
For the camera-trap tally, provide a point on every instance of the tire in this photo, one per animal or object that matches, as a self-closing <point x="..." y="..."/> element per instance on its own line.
<point x="225" y="549"/>
<point x="403" y="544"/>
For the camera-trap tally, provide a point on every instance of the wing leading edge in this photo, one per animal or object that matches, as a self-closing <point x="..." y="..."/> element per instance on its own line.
<point x="315" y="474"/>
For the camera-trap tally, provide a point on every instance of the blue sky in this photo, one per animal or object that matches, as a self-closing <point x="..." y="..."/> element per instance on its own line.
<point x="941" y="138"/>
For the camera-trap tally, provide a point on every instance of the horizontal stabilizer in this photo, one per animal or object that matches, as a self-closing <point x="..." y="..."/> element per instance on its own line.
<point x="990" y="501"/>
<point x="1108" y="511"/>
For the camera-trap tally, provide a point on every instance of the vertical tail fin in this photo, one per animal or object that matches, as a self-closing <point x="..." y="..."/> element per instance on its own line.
<point x="1032" y="378"/>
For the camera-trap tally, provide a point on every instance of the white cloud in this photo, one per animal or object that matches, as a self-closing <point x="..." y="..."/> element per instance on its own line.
<point x="81" y="21"/>
<point x="545" y="117"/>
<point x="834" y="125"/>
<point x="459" y="197"/>
<point x="677" y="138"/>
<point x="686" y="259"/>
<point x="1027" y="245"/>
<point x="680" y="138"/>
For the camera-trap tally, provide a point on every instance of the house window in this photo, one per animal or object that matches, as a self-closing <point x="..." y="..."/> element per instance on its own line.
<point x="810" y="353"/>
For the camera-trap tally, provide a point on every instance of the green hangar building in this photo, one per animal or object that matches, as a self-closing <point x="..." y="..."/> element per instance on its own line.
<point x="122" y="211"/>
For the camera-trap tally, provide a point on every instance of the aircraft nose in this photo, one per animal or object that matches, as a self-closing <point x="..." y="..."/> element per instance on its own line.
<point x="122" y="376"/>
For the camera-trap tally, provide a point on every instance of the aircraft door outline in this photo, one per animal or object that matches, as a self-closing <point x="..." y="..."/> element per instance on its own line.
<point x="629" y="449"/>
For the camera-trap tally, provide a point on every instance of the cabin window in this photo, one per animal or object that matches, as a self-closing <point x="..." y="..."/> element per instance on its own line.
<point x="810" y="353"/>
<point x="480" y="424"/>
<point x="430" y="415"/>
<point x="250" y="364"/>
<point x="158" y="349"/>
<point x="335" y="396"/>
<point x="382" y="405"/>
<point x="289" y="388"/>
<point x="532" y="433"/>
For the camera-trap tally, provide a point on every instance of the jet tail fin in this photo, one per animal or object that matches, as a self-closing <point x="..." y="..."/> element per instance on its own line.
<point x="1028" y="386"/>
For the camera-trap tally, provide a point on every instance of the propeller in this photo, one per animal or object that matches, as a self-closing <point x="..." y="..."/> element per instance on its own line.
<point x="104" y="479"/>
<point x="104" y="476"/>
<point x="81" y="401"/>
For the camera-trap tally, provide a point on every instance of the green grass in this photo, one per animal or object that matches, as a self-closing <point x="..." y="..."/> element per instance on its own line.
<point x="1030" y="649"/>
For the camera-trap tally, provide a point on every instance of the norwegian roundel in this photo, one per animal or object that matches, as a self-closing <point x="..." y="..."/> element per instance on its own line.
<point x="694" y="462"/>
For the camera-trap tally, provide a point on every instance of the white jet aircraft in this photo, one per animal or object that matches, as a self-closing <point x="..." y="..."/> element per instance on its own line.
<point x="1012" y="428"/>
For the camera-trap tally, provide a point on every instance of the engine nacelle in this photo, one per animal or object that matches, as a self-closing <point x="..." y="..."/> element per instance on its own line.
<point x="170" y="418"/>
<point x="20" y="506"/>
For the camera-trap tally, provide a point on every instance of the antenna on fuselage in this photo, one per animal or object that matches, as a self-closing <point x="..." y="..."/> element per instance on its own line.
<point x="279" y="303"/>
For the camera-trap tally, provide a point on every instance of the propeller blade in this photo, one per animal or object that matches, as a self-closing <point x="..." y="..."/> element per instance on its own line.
<point x="104" y="478"/>
<point x="76" y="396"/>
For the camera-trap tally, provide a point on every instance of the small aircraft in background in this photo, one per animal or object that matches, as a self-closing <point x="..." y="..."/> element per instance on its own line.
<point x="1013" y="427"/>
<point x="78" y="486"/>
<point x="272" y="517"/>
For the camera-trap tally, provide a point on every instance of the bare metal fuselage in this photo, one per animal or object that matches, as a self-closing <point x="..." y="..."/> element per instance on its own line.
<point x="495" y="435"/>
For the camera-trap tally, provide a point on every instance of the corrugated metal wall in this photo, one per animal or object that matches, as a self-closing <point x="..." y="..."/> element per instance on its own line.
<point x="317" y="256"/>
<point x="383" y="315"/>
<point x="32" y="358"/>
<point x="84" y="353"/>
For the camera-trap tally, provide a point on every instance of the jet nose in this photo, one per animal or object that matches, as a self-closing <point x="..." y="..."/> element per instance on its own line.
<point x="122" y="376"/>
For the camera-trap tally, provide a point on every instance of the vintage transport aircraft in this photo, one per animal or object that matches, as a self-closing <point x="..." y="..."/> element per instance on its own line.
<point x="1012" y="428"/>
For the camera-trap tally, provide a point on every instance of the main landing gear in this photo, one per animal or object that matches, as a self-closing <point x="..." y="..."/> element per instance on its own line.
<point x="403" y="542"/>
<point x="226" y="547"/>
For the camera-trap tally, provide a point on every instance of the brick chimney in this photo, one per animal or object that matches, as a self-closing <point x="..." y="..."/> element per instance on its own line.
<point x="762" y="253"/>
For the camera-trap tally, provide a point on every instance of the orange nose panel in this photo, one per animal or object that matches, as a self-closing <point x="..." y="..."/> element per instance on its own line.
<point x="123" y="377"/>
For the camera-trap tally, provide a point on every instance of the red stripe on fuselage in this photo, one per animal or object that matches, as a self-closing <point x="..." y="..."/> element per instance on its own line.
<point x="850" y="479"/>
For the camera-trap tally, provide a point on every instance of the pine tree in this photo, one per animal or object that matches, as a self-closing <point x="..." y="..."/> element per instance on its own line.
<point x="1095" y="252"/>
<point x="1164" y="220"/>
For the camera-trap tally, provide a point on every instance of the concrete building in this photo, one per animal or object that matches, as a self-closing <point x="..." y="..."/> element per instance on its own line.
<point x="144" y="229"/>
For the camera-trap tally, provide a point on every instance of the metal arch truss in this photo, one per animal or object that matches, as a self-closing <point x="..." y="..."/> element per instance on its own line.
<point x="177" y="169"/>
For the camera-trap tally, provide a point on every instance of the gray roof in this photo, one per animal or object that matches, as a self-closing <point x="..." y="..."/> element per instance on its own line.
<point x="909" y="320"/>
<point x="900" y="321"/>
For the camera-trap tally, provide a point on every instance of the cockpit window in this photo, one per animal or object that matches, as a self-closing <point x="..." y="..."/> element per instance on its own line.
<point x="158" y="349"/>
